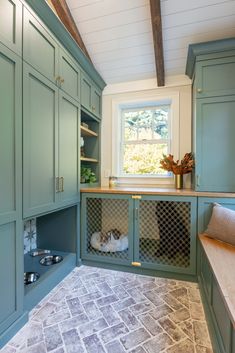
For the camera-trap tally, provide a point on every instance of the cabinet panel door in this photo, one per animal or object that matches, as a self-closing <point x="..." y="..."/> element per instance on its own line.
<point x="206" y="274"/>
<point x="221" y="317"/>
<point x="11" y="24"/>
<point x="39" y="49"/>
<point x="11" y="274"/>
<point x="69" y="117"/>
<point x="214" y="144"/>
<point x="70" y="74"/>
<point x="10" y="132"/>
<point x="215" y="77"/>
<point x="100" y="214"/>
<point x="40" y="142"/>
<point x="165" y="233"/>
<point x="86" y="92"/>
<point x="96" y="102"/>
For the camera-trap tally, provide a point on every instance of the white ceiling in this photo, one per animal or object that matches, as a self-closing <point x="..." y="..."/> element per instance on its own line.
<point x="118" y="33"/>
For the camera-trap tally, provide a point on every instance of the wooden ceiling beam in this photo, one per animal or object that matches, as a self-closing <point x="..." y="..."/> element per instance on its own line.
<point x="155" y="9"/>
<point x="65" y="16"/>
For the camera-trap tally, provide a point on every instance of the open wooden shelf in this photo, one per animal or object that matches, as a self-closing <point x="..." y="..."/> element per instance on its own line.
<point x="86" y="159"/>
<point x="85" y="132"/>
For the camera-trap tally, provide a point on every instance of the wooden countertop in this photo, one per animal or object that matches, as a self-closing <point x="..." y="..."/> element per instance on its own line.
<point x="221" y="257"/>
<point x="154" y="191"/>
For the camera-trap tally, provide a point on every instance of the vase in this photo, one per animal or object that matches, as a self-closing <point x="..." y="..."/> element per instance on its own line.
<point x="179" y="181"/>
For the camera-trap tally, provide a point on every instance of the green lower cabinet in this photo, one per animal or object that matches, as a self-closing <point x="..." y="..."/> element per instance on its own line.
<point x="50" y="146"/>
<point x="221" y="319"/>
<point x="99" y="215"/>
<point x="160" y="231"/>
<point x="11" y="274"/>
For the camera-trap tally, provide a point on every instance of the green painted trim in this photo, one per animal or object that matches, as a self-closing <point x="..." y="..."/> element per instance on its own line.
<point x="13" y="329"/>
<point x="195" y="50"/>
<point x="141" y="271"/>
<point x="43" y="10"/>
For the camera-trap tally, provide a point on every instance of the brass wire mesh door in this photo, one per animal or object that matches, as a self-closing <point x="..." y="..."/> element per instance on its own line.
<point x="106" y="214"/>
<point x="165" y="233"/>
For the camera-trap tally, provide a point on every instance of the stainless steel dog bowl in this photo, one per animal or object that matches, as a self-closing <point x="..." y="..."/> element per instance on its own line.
<point x="50" y="260"/>
<point x="30" y="277"/>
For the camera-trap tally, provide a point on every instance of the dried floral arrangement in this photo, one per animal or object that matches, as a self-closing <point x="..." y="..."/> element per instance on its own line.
<point x="184" y="166"/>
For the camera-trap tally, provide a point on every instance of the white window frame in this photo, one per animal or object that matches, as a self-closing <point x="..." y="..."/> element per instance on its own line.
<point x="155" y="100"/>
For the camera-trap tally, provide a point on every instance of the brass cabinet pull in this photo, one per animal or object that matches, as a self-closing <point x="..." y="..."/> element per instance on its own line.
<point x="136" y="197"/>
<point x="136" y="264"/>
<point x="93" y="108"/>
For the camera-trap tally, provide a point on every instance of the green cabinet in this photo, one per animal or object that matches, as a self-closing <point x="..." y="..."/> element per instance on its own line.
<point x="152" y="245"/>
<point x="219" y="323"/>
<point x="215" y="126"/>
<point x="55" y="63"/>
<point x="212" y="68"/>
<point x="90" y="96"/>
<point x="50" y="145"/>
<point x="11" y="24"/>
<point x="11" y="229"/>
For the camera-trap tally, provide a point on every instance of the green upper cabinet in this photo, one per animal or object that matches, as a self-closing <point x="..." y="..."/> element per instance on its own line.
<point x="11" y="230"/>
<point x="215" y="143"/>
<point x="10" y="123"/>
<point x="50" y="146"/>
<point x="215" y="77"/>
<point x="39" y="48"/>
<point x="11" y="24"/>
<point x="69" y="118"/>
<point x="90" y="96"/>
<point x="55" y="63"/>
<point x="212" y="67"/>
<point x="40" y="121"/>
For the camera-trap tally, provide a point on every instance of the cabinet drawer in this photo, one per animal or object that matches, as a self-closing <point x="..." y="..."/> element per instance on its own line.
<point x="215" y="77"/>
<point x="39" y="49"/>
<point x="11" y="24"/>
<point x="221" y="317"/>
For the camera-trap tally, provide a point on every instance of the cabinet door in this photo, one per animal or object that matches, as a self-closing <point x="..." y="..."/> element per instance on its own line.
<point x="10" y="133"/>
<point x="165" y="233"/>
<point x="39" y="49"/>
<point x="86" y="92"/>
<point x="100" y="215"/>
<point x="215" y="144"/>
<point x="70" y="75"/>
<point x="40" y="152"/>
<point x="215" y="77"/>
<point x="221" y="318"/>
<point x="96" y="102"/>
<point x="11" y="233"/>
<point x="69" y="117"/>
<point x="11" y="24"/>
<point x="11" y="273"/>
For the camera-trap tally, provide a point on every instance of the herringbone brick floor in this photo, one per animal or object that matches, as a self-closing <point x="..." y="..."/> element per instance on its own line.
<point x="102" y="311"/>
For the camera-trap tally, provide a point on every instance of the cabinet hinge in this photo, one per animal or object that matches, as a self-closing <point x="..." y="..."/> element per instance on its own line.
<point x="136" y="197"/>
<point x="136" y="264"/>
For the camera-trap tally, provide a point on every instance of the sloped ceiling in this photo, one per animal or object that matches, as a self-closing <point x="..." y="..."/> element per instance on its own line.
<point x="118" y="33"/>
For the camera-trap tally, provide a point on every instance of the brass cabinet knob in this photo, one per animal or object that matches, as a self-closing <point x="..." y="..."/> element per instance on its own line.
<point x="61" y="80"/>
<point x="199" y="90"/>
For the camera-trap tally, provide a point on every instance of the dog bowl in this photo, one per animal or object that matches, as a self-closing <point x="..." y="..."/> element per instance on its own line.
<point x="50" y="260"/>
<point x="30" y="277"/>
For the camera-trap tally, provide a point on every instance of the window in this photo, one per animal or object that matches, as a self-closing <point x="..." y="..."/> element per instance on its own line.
<point x="143" y="128"/>
<point x="145" y="137"/>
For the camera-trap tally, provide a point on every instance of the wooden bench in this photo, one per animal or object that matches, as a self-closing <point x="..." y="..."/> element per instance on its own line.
<point x="217" y="284"/>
